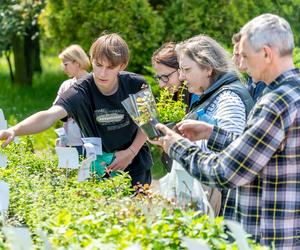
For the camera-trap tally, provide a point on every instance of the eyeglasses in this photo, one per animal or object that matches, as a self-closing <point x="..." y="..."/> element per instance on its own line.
<point x="165" y="77"/>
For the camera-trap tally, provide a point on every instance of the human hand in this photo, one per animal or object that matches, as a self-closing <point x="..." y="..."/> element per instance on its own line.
<point x="168" y="138"/>
<point x="122" y="160"/>
<point x="8" y="135"/>
<point x="194" y="130"/>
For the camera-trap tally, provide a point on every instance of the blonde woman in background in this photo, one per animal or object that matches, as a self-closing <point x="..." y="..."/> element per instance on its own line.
<point x="75" y="64"/>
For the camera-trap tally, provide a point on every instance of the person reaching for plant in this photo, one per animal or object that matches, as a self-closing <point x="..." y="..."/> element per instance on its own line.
<point x="94" y="102"/>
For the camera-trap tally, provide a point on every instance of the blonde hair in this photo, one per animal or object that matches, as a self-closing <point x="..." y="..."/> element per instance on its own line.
<point x="77" y="54"/>
<point x="110" y="47"/>
<point x="208" y="54"/>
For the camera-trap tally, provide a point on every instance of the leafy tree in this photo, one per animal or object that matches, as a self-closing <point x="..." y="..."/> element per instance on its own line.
<point x="19" y="33"/>
<point x="221" y="19"/>
<point x="81" y="21"/>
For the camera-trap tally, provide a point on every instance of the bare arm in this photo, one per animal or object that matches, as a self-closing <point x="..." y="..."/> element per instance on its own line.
<point x="35" y="123"/>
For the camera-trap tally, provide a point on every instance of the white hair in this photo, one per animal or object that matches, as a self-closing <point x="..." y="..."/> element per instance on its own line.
<point x="270" y="30"/>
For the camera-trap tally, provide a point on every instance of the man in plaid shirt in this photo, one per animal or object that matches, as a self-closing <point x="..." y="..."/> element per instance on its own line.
<point x="263" y="164"/>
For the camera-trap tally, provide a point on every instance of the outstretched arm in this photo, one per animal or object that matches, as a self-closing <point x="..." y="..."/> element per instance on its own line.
<point x="35" y="123"/>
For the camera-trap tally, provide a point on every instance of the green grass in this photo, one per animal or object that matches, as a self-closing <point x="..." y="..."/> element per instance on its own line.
<point x="18" y="102"/>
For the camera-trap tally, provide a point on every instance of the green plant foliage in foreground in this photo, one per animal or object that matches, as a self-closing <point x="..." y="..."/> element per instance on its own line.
<point x="96" y="215"/>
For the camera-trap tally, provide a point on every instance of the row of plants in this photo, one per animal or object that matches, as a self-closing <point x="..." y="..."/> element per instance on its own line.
<point x="106" y="214"/>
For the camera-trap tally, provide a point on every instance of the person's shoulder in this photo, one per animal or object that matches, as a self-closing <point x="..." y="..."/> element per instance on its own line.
<point x="66" y="85"/>
<point x="227" y="95"/>
<point x="132" y="77"/>
<point x="281" y="99"/>
<point x="85" y="80"/>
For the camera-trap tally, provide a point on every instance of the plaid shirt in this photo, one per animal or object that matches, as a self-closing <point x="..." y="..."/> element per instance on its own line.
<point x="263" y="165"/>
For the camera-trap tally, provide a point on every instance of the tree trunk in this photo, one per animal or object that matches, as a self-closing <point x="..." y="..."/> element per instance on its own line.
<point x="35" y="48"/>
<point x="11" y="73"/>
<point x="22" y="61"/>
<point x="26" y="51"/>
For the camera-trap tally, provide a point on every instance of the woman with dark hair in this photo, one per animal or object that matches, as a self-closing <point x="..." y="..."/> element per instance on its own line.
<point x="165" y="64"/>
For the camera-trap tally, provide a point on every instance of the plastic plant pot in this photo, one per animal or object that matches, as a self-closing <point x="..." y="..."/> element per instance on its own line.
<point x="150" y="130"/>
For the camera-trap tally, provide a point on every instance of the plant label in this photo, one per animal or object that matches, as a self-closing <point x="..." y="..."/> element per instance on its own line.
<point x="96" y="142"/>
<point x="194" y="244"/>
<point x="238" y="233"/>
<point x="90" y="150"/>
<point x="16" y="140"/>
<point x="43" y="237"/>
<point x="3" y="160"/>
<point x="84" y="171"/>
<point x="63" y="138"/>
<point x="60" y="132"/>
<point x="18" y="237"/>
<point x="3" y="124"/>
<point x="67" y="157"/>
<point x="4" y="196"/>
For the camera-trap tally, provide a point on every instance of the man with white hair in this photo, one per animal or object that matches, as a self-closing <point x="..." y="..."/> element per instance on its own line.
<point x="263" y="164"/>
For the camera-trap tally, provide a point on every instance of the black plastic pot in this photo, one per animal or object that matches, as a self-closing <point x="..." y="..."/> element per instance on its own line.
<point x="150" y="130"/>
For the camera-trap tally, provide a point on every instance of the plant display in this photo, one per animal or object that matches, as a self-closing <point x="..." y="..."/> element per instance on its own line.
<point x="171" y="110"/>
<point x="97" y="215"/>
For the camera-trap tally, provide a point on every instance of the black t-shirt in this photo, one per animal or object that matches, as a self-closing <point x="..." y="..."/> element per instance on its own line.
<point x="104" y="116"/>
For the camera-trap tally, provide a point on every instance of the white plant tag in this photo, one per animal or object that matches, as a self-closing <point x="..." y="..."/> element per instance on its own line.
<point x="19" y="238"/>
<point x="238" y="233"/>
<point x="84" y="171"/>
<point x="16" y="140"/>
<point x="60" y="132"/>
<point x="3" y="160"/>
<point x="3" y="124"/>
<point x="134" y="247"/>
<point x="96" y="142"/>
<point x="67" y="157"/>
<point x="1" y="115"/>
<point x="194" y="244"/>
<point x="4" y="196"/>
<point x="44" y="238"/>
<point x="90" y="150"/>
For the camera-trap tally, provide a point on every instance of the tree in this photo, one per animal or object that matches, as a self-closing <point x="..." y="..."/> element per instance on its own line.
<point x="81" y="21"/>
<point x="19" y="34"/>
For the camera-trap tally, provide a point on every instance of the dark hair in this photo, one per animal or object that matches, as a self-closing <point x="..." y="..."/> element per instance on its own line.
<point x="166" y="55"/>
<point x="236" y="38"/>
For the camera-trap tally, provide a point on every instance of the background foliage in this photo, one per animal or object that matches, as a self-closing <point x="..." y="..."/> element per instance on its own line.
<point x="82" y="22"/>
<point x="145" y="25"/>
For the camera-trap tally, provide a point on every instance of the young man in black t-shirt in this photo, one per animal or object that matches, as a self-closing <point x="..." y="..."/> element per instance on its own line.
<point x="94" y="102"/>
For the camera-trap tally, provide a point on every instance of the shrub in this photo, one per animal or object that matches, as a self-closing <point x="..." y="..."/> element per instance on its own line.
<point x="82" y="22"/>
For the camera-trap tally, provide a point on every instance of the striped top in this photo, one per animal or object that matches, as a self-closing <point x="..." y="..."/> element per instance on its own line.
<point x="229" y="111"/>
<point x="263" y="163"/>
